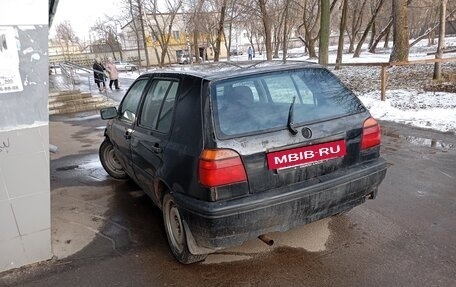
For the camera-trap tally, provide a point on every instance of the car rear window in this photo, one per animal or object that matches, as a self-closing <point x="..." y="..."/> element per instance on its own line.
<point x="247" y="105"/>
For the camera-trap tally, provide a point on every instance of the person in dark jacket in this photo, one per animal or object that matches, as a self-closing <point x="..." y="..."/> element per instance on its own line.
<point x="99" y="75"/>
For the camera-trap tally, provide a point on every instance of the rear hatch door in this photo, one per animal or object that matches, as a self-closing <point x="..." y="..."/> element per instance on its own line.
<point x="289" y="127"/>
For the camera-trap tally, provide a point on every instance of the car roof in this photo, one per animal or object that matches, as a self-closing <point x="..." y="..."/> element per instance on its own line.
<point x="223" y="70"/>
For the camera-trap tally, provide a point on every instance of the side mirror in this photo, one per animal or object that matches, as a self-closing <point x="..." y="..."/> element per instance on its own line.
<point x="108" y="113"/>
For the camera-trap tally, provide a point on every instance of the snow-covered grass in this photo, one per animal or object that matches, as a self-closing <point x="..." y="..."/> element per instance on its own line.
<point x="417" y="108"/>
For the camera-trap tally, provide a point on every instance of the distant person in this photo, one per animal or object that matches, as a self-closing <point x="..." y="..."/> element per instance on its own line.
<point x="250" y="52"/>
<point x="113" y="74"/>
<point x="99" y="74"/>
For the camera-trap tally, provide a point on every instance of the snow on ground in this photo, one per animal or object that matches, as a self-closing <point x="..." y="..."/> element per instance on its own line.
<point x="417" y="108"/>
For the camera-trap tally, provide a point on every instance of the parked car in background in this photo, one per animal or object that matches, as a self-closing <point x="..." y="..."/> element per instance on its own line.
<point x="185" y="59"/>
<point x="235" y="52"/>
<point x="233" y="152"/>
<point x="124" y="66"/>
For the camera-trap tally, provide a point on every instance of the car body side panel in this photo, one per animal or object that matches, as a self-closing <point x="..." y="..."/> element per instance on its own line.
<point x="181" y="155"/>
<point x="146" y="153"/>
<point x="121" y="144"/>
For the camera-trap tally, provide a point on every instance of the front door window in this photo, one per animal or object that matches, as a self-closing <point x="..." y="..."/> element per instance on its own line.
<point x="130" y="103"/>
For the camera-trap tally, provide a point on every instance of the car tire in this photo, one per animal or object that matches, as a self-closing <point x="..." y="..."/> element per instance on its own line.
<point x="110" y="162"/>
<point x="175" y="232"/>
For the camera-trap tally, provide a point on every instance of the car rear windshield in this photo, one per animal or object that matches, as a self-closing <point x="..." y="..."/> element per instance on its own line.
<point x="253" y="104"/>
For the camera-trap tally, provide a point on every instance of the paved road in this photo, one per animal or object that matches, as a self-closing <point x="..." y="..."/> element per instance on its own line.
<point x="406" y="237"/>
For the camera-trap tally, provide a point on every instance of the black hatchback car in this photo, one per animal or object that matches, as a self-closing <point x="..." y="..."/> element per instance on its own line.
<point x="232" y="152"/>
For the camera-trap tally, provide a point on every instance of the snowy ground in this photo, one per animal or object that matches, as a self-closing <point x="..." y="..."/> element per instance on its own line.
<point x="418" y="108"/>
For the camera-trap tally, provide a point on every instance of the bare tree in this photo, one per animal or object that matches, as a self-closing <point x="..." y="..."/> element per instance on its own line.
<point x="194" y="25"/>
<point x="161" y="28"/>
<point x="356" y="21"/>
<point x="285" y="31"/>
<point x="400" y="29"/>
<point x="220" y="29"/>
<point x="343" y="24"/>
<point x="431" y="29"/>
<point x="107" y="36"/>
<point x="383" y="33"/>
<point x="66" y="37"/>
<point x="441" y="45"/>
<point x="368" y="27"/>
<point x="131" y="16"/>
<point x="267" y="28"/>
<point x="141" y="16"/>
<point x="232" y="14"/>
<point x="310" y="20"/>
<point x="117" y="21"/>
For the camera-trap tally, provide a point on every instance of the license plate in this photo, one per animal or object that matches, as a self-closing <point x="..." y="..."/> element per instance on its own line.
<point x="307" y="155"/>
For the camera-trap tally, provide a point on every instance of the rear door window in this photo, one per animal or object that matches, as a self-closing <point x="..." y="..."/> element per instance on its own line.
<point x="262" y="102"/>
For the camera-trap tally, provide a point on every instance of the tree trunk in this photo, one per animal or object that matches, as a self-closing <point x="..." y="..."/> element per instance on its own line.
<point x="343" y="24"/>
<point x="441" y="44"/>
<point x="400" y="32"/>
<point x="267" y="29"/>
<point x="285" y="32"/>
<point x="368" y="27"/>
<point x="311" y="48"/>
<point x="356" y="23"/>
<point x="324" y="33"/>
<point x="373" y="34"/>
<point x="135" y="29"/>
<point x="143" y="32"/>
<point x="220" y="32"/>
<point x="382" y="34"/>
<point x="195" y="46"/>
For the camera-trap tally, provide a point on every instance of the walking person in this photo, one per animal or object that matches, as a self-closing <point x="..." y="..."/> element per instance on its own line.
<point x="99" y="74"/>
<point x="250" y="52"/>
<point x="113" y="74"/>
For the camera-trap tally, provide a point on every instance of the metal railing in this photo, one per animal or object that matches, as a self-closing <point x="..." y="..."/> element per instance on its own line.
<point x="69" y="70"/>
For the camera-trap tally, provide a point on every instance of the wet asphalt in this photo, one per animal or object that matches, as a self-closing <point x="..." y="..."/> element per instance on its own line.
<point x="405" y="237"/>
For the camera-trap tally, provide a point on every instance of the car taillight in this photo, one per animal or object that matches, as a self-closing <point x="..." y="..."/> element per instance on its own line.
<point x="220" y="167"/>
<point x="371" y="133"/>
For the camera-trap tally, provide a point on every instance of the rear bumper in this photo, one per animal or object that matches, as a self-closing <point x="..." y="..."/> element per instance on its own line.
<point x="216" y="225"/>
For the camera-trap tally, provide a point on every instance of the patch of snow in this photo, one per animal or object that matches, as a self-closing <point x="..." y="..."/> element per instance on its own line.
<point x="432" y="110"/>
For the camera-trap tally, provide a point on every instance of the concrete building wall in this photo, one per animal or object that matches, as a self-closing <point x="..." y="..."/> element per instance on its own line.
<point x="25" y="225"/>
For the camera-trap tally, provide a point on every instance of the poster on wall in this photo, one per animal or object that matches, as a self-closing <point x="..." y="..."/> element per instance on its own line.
<point x="10" y="78"/>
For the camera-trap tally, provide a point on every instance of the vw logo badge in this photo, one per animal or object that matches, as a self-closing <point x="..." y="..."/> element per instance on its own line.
<point x="306" y="133"/>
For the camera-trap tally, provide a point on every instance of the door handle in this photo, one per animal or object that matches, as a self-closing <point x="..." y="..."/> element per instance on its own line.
<point x="128" y="133"/>
<point x="156" y="148"/>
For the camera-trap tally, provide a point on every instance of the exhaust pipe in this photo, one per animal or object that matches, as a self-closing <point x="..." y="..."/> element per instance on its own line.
<point x="266" y="239"/>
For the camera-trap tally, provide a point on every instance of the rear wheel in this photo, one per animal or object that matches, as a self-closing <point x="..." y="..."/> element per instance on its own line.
<point x="110" y="162"/>
<point x="175" y="232"/>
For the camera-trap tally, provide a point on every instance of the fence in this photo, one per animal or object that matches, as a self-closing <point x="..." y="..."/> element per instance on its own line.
<point x="384" y="65"/>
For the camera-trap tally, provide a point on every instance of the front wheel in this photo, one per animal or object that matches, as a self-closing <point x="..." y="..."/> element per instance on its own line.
<point x="110" y="162"/>
<point x="175" y="232"/>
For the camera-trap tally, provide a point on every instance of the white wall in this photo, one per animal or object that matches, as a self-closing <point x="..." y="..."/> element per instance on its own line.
<point x="25" y="228"/>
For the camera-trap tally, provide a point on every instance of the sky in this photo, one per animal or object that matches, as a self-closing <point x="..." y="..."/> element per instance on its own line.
<point x="82" y="14"/>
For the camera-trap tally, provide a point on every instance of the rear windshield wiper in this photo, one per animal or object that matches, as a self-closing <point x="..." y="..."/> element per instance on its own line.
<point x="290" y="123"/>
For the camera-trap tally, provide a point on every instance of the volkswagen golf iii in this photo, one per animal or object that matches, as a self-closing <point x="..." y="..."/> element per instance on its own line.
<point x="232" y="152"/>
